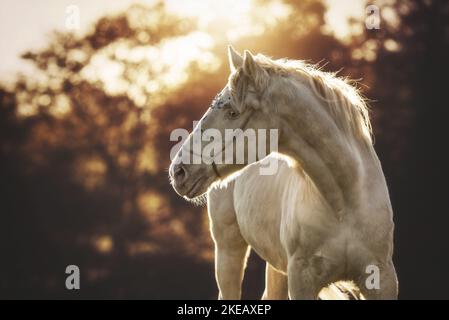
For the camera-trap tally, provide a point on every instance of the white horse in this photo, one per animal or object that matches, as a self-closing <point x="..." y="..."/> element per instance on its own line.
<point x="323" y="218"/>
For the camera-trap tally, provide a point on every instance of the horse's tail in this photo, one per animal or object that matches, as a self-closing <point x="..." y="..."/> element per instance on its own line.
<point x="341" y="290"/>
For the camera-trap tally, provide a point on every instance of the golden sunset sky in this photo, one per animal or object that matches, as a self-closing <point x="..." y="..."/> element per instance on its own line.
<point x="27" y="24"/>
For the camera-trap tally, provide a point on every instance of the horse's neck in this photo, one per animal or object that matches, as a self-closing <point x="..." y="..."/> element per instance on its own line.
<point x="338" y="165"/>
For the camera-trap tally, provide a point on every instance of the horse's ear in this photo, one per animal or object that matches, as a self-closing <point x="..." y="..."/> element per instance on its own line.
<point x="235" y="59"/>
<point x="253" y="70"/>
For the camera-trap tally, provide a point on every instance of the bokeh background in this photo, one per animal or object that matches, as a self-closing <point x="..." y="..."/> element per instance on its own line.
<point x="85" y="118"/>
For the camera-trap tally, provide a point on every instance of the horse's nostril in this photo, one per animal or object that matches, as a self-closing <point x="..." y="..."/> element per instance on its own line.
<point x="179" y="173"/>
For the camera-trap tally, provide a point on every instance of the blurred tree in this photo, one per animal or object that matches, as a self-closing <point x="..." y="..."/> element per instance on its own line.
<point x="82" y="180"/>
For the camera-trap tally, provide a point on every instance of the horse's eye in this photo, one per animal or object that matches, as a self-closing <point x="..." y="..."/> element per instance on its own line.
<point x="232" y="114"/>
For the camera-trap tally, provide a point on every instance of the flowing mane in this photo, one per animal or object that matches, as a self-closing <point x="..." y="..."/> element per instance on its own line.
<point x="345" y="104"/>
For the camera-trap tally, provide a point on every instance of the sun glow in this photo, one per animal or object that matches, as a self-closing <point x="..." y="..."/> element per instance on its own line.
<point x="152" y="69"/>
<point x="141" y="71"/>
<point x="232" y="19"/>
<point x="210" y="12"/>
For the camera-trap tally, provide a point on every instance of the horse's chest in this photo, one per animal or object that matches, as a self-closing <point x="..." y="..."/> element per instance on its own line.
<point x="259" y="225"/>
